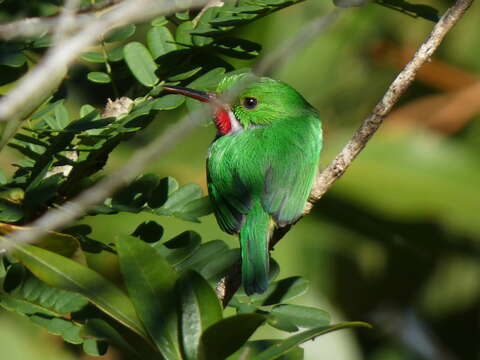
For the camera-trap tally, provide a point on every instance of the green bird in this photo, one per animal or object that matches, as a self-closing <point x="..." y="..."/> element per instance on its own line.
<point x="262" y="164"/>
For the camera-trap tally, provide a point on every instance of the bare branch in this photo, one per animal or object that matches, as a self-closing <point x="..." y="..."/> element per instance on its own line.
<point x="401" y="83"/>
<point x="229" y="285"/>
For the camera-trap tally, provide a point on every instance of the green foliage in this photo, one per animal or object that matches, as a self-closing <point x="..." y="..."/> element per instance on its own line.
<point x="164" y="306"/>
<point x="426" y="12"/>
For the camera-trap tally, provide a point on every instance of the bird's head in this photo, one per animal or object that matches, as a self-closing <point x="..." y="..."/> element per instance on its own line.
<point x="245" y="101"/>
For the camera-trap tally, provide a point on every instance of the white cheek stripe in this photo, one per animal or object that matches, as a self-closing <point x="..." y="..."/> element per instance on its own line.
<point x="235" y="124"/>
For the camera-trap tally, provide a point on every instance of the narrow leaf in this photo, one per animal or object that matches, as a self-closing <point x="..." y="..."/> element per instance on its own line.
<point x="282" y="347"/>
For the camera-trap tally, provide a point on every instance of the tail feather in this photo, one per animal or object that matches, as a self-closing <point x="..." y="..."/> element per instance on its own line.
<point x="254" y="237"/>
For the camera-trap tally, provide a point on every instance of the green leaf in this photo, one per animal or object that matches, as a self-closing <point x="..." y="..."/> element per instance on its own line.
<point x="68" y="275"/>
<point x="149" y="231"/>
<point x="99" y="77"/>
<point x="184" y="15"/>
<point x="166" y="187"/>
<point x="60" y="119"/>
<point x="159" y="21"/>
<point x="43" y="42"/>
<point x="228" y="335"/>
<point x="203" y="256"/>
<point x="183" y="36"/>
<point x="177" y="201"/>
<point x="238" y="48"/>
<point x="201" y="260"/>
<point x="10" y="211"/>
<point x="209" y="80"/>
<point x="115" y="54"/>
<point x="185" y="74"/>
<point x="13" y="59"/>
<point x="278" y="292"/>
<point x="101" y="329"/>
<point x="33" y="296"/>
<point x="168" y="102"/>
<point x="86" y="109"/>
<point x="120" y="34"/>
<point x="92" y="56"/>
<point x="195" y="209"/>
<point x="199" y="309"/>
<point x="298" y="316"/>
<point x="253" y="348"/>
<point x="141" y="63"/>
<point x="215" y="270"/>
<point x="133" y="197"/>
<point x="180" y="247"/>
<point x="69" y="331"/>
<point x="160" y="41"/>
<point x="283" y="346"/>
<point x="150" y="281"/>
<point x="94" y="347"/>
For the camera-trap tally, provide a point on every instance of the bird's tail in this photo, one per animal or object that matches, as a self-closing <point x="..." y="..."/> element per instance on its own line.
<point x="254" y="237"/>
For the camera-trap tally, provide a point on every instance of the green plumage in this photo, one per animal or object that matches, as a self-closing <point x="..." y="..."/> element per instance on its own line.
<point x="262" y="165"/>
<point x="261" y="174"/>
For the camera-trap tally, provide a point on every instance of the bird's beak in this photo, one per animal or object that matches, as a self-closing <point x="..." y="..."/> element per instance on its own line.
<point x="203" y="96"/>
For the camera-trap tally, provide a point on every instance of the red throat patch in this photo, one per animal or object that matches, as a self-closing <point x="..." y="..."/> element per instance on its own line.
<point x="222" y="121"/>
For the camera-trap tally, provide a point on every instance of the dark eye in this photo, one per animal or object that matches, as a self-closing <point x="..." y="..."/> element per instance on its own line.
<point x="249" y="103"/>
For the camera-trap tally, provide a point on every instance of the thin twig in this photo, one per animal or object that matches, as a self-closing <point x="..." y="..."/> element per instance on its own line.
<point x="230" y="284"/>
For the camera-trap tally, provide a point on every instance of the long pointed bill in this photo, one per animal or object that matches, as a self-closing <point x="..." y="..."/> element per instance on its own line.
<point x="203" y="96"/>
<point x="222" y="112"/>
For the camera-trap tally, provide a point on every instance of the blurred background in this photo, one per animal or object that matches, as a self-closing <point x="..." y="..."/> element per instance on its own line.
<point x="396" y="241"/>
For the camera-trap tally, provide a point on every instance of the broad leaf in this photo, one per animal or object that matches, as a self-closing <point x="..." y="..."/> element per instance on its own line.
<point x="278" y="292"/>
<point x="180" y="247"/>
<point x="199" y="309"/>
<point x="99" y="77"/>
<point x="150" y="281"/>
<point x="120" y="34"/>
<point x="298" y="316"/>
<point x="68" y="275"/>
<point x="160" y="41"/>
<point x="141" y="63"/>
<point x="228" y="335"/>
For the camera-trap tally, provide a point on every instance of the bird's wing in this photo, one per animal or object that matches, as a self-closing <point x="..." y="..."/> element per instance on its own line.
<point x="231" y="199"/>
<point x="228" y="216"/>
<point x="292" y="169"/>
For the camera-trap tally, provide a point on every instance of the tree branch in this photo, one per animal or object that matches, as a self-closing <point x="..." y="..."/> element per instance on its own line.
<point x="57" y="218"/>
<point x="230" y="284"/>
